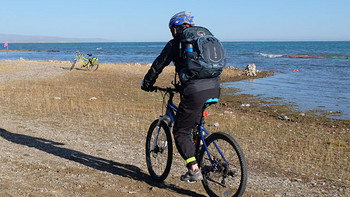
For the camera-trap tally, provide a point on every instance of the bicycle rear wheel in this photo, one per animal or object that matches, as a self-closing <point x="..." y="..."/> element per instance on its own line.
<point x="227" y="175"/>
<point x="159" y="150"/>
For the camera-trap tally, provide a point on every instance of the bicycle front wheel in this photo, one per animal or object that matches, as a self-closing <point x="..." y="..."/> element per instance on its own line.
<point x="73" y="65"/>
<point x="159" y="150"/>
<point x="225" y="170"/>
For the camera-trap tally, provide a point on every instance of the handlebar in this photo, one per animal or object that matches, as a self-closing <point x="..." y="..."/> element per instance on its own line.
<point x="78" y="52"/>
<point x="168" y="89"/>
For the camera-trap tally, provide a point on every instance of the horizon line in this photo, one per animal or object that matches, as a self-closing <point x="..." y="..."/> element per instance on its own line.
<point x="64" y="42"/>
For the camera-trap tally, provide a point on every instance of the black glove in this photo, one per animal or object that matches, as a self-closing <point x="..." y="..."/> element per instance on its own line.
<point x="147" y="87"/>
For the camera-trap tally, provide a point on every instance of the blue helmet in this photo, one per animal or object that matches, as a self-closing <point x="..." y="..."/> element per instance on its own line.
<point x="181" y="18"/>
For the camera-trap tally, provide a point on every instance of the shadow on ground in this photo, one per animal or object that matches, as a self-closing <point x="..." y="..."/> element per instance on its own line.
<point x="116" y="168"/>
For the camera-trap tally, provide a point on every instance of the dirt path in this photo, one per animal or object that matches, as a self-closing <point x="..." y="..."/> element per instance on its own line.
<point x="45" y="157"/>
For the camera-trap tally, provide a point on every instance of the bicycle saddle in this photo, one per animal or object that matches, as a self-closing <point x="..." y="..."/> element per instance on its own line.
<point x="212" y="101"/>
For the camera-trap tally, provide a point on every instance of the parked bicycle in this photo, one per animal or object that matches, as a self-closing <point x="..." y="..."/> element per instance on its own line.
<point x="222" y="162"/>
<point x="90" y="63"/>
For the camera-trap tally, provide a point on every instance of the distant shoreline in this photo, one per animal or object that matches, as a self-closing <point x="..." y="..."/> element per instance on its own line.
<point x="41" y="51"/>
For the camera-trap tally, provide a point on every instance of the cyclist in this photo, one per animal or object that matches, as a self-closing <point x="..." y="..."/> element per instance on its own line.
<point x="193" y="94"/>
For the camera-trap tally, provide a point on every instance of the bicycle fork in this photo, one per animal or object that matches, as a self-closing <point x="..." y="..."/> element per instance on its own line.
<point x="155" y="146"/>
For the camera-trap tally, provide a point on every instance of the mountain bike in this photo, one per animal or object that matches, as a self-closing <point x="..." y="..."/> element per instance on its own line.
<point x="90" y="63"/>
<point x="221" y="159"/>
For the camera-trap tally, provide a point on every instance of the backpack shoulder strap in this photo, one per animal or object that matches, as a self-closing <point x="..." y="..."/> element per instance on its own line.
<point x="193" y="33"/>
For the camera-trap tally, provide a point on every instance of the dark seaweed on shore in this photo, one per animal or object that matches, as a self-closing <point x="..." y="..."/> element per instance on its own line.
<point x="41" y="51"/>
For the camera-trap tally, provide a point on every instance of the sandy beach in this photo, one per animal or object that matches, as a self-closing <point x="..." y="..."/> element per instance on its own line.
<point x="81" y="133"/>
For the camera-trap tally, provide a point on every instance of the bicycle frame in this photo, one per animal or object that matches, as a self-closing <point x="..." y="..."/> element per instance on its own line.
<point x="82" y="58"/>
<point x="169" y="118"/>
<point x="202" y="137"/>
<point x="171" y="109"/>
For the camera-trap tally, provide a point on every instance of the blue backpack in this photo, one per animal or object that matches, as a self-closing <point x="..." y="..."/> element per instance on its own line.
<point x="203" y="53"/>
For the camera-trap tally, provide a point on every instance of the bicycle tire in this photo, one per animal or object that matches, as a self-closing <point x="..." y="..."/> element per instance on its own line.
<point x="92" y="67"/>
<point x="162" y="153"/>
<point x="226" y="180"/>
<point x="74" y="63"/>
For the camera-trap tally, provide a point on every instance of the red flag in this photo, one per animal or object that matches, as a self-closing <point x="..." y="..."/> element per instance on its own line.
<point x="6" y="44"/>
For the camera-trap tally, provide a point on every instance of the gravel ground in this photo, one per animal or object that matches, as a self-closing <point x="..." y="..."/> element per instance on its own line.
<point x="42" y="157"/>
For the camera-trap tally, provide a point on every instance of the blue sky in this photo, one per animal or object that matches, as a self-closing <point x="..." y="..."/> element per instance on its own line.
<point x="147" y="20"/>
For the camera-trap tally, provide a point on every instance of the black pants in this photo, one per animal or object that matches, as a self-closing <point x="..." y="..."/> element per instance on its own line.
<point x="188" y="115"/>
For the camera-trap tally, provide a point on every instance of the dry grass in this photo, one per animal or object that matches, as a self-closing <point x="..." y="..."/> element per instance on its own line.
<point x="110" y="101"/>
<point x="6" y="68"/>
<point x="107" y="101"/>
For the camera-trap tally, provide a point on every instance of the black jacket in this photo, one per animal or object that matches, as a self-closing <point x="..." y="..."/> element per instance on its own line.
<point x="170" y="53"/>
